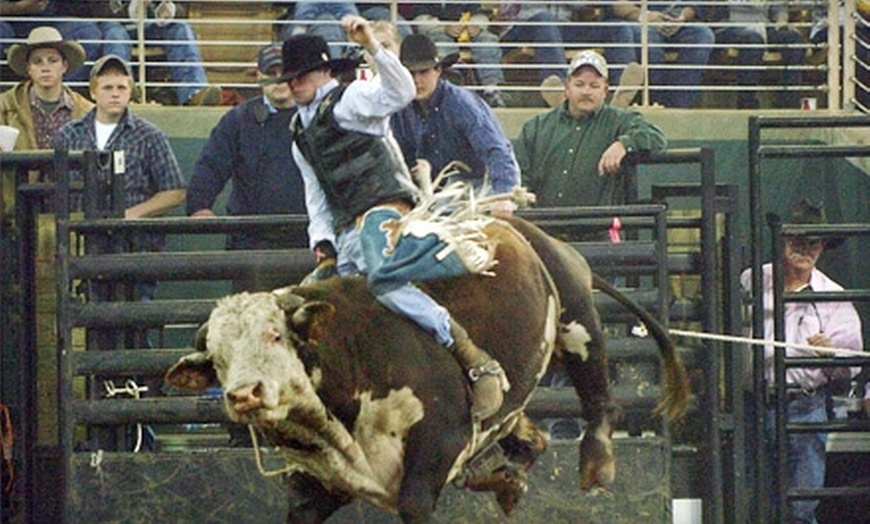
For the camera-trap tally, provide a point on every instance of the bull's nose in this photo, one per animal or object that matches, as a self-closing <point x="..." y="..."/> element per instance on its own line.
<point x="246" y="398"/>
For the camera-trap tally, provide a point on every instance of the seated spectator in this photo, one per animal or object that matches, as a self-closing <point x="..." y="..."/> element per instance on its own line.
<point x="325" y="21"/>
<point x="671" y="24"/>
<point x="39" y="106"/>
<point x="73" y="30"/>
<point x="447" y="123"/>
<point x="187" y="72"/>
<point x="547" y="26"/>
<point x="749" y="28"/>
<point x="449" y="25"/>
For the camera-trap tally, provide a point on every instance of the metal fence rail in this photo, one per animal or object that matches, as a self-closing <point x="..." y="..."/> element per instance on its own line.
<point x="758" y="153"/>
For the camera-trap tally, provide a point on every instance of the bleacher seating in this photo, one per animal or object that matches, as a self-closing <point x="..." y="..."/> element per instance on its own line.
<point x="229" y="34"/>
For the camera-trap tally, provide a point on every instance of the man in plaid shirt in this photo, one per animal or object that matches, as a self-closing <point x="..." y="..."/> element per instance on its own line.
<point x="153" y="184"/>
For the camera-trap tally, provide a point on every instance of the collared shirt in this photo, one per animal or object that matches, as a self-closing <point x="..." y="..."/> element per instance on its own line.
<point x="559" y="154"/>
<point x="150" y="165"/>
<point x="46" y="125"/>
<point x="456" y="124"/>
<point x="838" y="320"/>
<point x="365" y="106"/>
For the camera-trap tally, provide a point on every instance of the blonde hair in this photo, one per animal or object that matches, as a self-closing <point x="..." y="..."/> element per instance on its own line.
<point x="110" y="67"/>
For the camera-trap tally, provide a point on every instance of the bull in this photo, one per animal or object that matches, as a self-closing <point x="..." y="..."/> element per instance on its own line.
<point x="364" y="405"/>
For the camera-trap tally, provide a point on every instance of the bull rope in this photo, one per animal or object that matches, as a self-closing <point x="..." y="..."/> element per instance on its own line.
<point x="840" y="352"/>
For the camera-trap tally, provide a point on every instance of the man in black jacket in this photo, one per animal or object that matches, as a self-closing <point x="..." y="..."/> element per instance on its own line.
<point x="249" y="147"/>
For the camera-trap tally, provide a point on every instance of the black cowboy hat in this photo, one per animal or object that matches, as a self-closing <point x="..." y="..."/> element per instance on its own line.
<point x="418" y="53"/>
<point x="304" y="53"/>
<point x="804" y="211"/>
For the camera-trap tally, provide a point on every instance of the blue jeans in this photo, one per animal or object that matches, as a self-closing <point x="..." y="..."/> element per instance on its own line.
<point x="189" y="74"/>
<point x="487" y="56"/>
<point x="752" y="58"/>
<point x="551" y="54"/>
<point x="693" y="44"/>
<point x="326" y="17"/>
<point x="84" y="32"/>
<point x="806" y="453"/>
<point x="362" y="250"/>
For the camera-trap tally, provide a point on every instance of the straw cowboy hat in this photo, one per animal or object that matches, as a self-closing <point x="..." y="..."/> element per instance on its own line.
<point x="41" y="37"/>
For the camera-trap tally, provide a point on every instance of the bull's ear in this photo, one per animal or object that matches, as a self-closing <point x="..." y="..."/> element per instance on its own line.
<point x="311" y="320"/>
<point x="193" y="372"/>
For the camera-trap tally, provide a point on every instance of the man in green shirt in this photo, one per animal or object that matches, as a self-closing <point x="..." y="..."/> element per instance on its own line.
<point x="572" y="155"/>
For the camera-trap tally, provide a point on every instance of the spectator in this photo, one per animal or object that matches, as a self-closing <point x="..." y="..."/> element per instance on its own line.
<point x="749" y="28"/>
<point x="249" y="147"/>
<point x="671" y="24"/>
<point x="451" y="24"/>
<point x="822" y="324"/>
<point x="176" y="36"/>
<point x="573" y="155"/>
<point x="548" y="26"/>
<point x="447" y="122"/>
<point x="350" y="197"/>
<point x="154" y="184"/>
<point x="39" y="106"/>
<point x="324" y="20"/>
<point x="48" y="10"/>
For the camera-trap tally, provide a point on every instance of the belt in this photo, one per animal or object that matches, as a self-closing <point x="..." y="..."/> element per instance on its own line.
<point x="797" y="393"/>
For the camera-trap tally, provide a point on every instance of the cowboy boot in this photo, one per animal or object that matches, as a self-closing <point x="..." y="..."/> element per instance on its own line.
<point x="488" y="379"/>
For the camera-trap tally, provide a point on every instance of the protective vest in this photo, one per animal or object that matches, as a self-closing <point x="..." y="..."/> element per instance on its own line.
<point x="356" y="171"/>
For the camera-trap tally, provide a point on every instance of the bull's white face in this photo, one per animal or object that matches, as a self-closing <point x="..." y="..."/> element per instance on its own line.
<point x="256" y="361"/>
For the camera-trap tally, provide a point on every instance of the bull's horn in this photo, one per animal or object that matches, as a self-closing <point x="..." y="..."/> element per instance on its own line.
<point x="200" y="338"/>
<point x="310" y="320"/>
<point x="287" y="300"/>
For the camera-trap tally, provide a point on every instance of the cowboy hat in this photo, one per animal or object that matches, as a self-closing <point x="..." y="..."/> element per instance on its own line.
<point x="304" y="53"/>
<point x="418" y="53"/>
<point x="45" y="36"/>
<point x="804" y="211"/>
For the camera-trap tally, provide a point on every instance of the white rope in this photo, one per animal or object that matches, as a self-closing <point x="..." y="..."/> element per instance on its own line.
<point x="135" y="391"/>
<point x="840" y="352"/>
<point x="259" y="459"/>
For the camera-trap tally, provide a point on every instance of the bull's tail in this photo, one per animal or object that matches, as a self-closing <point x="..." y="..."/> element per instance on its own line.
<point x="675" y="398"/>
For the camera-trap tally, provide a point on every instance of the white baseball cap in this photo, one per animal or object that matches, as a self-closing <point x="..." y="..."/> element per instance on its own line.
<point x="591" y="59"/>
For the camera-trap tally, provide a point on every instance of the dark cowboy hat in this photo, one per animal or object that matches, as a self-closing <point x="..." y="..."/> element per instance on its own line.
<point x="804" y="211"/>
<point x="304" y="53"/>
<point x="418" y="53"/>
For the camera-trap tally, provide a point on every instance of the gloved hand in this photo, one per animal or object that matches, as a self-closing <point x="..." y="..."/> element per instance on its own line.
<point x="325" y="256"/>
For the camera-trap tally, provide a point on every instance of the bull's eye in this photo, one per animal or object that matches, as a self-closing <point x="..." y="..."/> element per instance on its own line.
<point x="273" y="336"/>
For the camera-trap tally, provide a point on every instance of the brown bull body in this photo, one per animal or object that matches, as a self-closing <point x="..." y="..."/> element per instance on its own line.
<point x="366" y="405"/>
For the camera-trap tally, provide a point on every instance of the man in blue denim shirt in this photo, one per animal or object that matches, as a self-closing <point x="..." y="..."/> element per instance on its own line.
<point x="447" y="122"/>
